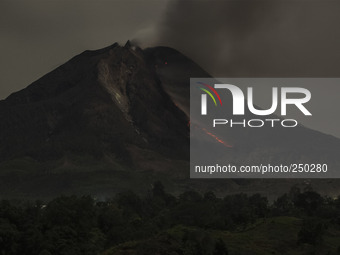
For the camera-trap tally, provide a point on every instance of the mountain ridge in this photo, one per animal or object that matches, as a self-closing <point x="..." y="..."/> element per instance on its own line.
<point x="85" y="84"/>
<point x="106" y="121"/>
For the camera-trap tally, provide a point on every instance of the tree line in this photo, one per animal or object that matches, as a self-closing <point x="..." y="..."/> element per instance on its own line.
<point x="83" y="225"/>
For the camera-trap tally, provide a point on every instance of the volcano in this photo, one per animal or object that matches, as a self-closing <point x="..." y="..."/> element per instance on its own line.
<point x="102" y="114"/>
<point x="109" y="120"/>
<point x="98" y="103"/>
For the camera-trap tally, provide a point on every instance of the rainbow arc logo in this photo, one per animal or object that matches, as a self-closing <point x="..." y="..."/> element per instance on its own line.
<point x="210" y="91"/>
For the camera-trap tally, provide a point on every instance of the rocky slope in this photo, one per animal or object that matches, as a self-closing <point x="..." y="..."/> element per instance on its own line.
<point x="98" y="103"/>
<point x="116" y="119"/>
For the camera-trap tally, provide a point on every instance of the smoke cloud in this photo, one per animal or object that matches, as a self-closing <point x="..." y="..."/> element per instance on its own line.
<point x="272" y="38"/>
<point x="251" y="38"/>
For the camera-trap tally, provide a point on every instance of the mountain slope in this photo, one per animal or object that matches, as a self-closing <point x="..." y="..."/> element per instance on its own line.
<point x="97" y="103"/>
<point x="116" y="119"/>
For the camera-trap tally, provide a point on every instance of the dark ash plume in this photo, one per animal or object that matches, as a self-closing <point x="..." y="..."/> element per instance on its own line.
<point x="256" y="38"/>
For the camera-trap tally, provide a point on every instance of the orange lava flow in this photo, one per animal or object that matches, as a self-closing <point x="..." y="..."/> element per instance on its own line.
<point x="213" y="136"/>
<point x="216" y="138"/>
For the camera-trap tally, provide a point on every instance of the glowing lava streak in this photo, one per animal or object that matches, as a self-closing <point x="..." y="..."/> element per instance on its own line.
<point x="216" y="138"/>
<point x="212" y="135"/>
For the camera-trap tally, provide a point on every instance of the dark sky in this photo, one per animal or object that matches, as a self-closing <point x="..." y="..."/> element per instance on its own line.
<point x="243" y="38"/>
<point x="272" y="38"/>
<point x="37" y="36"/>
<point x="277" y="38"/>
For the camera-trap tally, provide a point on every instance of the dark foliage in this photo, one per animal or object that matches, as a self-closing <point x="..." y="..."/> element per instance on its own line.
<point x="83" y="225"/>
